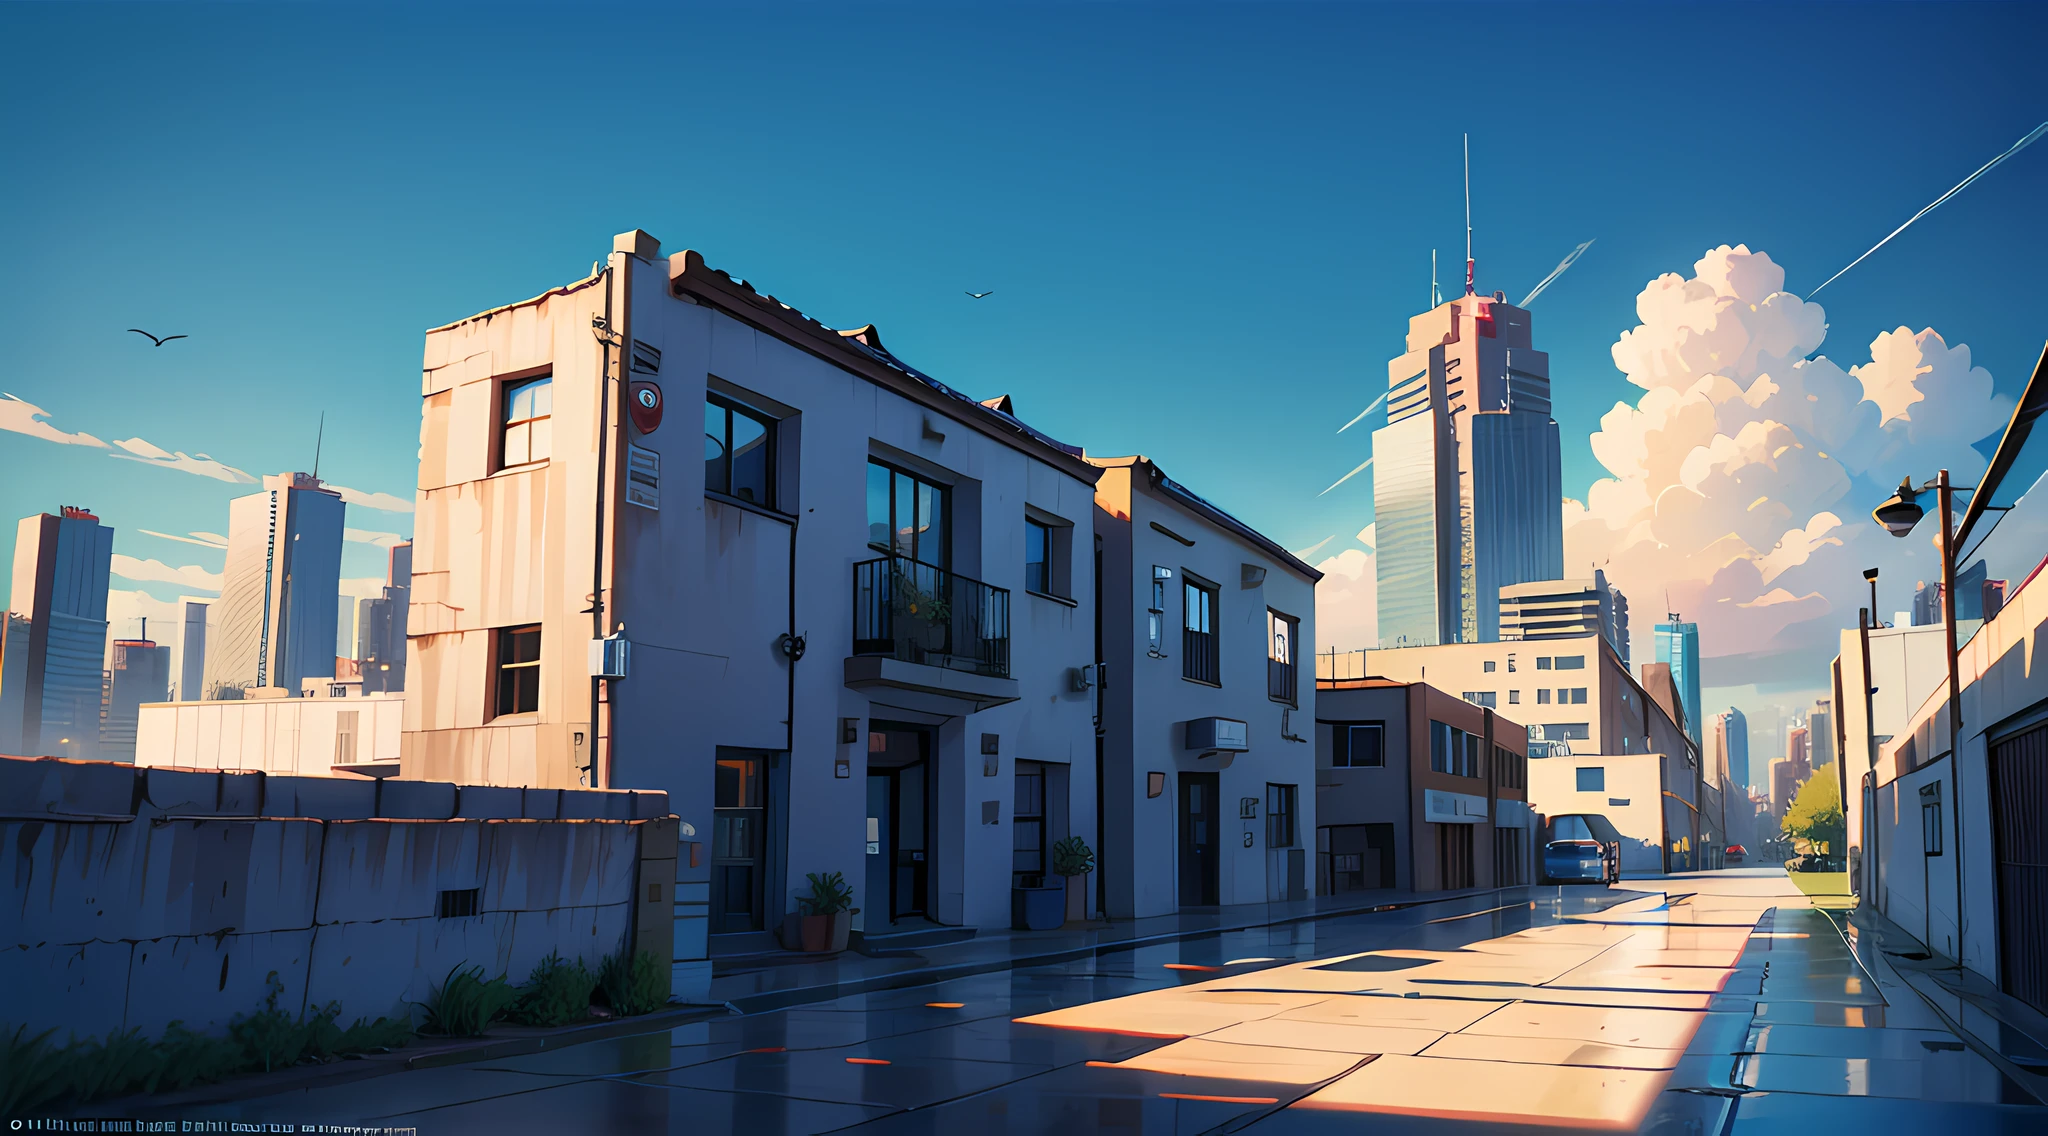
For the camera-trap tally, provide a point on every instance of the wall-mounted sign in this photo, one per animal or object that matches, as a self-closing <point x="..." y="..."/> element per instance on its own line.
<point x="643" y="405"/>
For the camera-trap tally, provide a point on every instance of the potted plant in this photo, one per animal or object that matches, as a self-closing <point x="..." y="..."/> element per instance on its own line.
<point x="1072" y="860"/>
<point x="922" y="616"/>
<point x="1037" y="906"/>
<point x="826" y="915"/>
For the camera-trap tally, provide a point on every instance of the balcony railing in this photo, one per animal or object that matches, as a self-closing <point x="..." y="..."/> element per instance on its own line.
<point x="903" y="609"/>
<point x="1280" y="681"/>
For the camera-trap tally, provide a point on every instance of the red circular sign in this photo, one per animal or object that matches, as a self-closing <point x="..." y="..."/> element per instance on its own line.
<point x="643" y="403"/>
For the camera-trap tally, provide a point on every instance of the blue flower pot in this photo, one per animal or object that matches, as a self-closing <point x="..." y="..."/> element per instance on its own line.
<point x="1038" y="909"/>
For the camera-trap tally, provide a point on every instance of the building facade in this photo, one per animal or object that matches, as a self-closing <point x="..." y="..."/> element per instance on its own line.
<point x="275" y="622"/>
<point x="1734" y="728"/>
<point x="1208" y="765"/>
<point x="379" y="649"/>
<point x="1468" y="478"/>
<point x="1418" y="790"/>
<point x="1565" y="609"/>
<point x="192" y="651"/>
<point x="138" y="672"/>
<point x="52" y="682"/>
<point x="1678" y="646"/>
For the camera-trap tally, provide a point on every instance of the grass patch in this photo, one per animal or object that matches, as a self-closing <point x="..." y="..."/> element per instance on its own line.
<point x="635" y="984"/>
<point x="556" y="993"/>
<point x="466" y="1003"/>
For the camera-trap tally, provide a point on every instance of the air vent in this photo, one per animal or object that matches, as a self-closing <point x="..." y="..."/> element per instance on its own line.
<point x="646" y="359"/>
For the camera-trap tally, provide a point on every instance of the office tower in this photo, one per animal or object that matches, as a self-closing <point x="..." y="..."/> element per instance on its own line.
<point x="274" y="623"/>
<point x="1820" y="736"/>
<point x="1927" y="604"/>
<point x="1737" y="726"/>
<point x="140" y="673"/>
<point x="192" y="652"/>
<point x="1467" y="483"/>
<point x="344" y="627"/>
<point x="1565" y="609"/>
<point x="61" y="567"/>
<point x="380" y="643"/>
<point x="1679" y="645"/>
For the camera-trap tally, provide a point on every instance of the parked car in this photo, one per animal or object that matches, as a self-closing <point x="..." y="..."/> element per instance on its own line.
<point x="1583" y="848"/>
<point x="1735" y="854"/>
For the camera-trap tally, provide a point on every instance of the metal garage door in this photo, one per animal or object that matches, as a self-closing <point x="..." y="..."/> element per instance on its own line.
<point x="2019" y="804"/>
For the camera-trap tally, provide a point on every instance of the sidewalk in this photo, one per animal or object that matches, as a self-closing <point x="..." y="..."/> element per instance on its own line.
<point x="753" y="985"/>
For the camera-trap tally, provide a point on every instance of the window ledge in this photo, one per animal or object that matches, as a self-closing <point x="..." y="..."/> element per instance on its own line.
<point x="524" y="718"/>
<point x="524" y="467"/>
<point x="1290" y="703"/>
<point x="1053" y="598"/>
<point x="1201" y="681"/>
<point x="749" y="506"/>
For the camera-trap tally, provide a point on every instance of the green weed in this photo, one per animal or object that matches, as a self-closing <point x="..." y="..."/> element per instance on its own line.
<point x="466" y="1003"/>
<point x="635" y="985"/>
<point x="557" y="993"/>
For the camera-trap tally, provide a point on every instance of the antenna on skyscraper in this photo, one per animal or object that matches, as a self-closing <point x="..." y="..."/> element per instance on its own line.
<point x="1436" y="295"/>
<point x="317" y="439"/>
<point x="1468" y="214"/>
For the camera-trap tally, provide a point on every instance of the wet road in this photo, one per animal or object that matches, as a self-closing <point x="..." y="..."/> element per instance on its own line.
<point x="1733" y="1009"/>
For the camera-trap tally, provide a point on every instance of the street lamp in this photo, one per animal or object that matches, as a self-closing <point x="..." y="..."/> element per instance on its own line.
<point x="1899" y="514"/>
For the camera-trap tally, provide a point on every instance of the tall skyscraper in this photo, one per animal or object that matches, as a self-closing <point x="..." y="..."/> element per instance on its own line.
<point x="140" y="673"/>
<point x="1565" y="609"/>
<point x="52" y="688"/>
<point x="192" y="652"/>
<point x="1679" y="645"/>
<point x="1467" y="481"/>
<point x="275" y="620"/>
<point x="1736" y="726"/>
<point x="380" y="646"/>
<point x="1820" y="734"/>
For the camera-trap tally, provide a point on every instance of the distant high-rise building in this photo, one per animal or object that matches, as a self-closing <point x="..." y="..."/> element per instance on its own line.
<point x="192" y="652"/>
<point x="140" y="673"/>
<point x="1736" y="726"/>
<point x="380" y="643"/>
<point x="1679" y="645"/>
<point x="61" y="567"/>
<point x="1788" y="773"/>
<point x="1820" y="736"/>
<point x="344" y="627"/>
<point x="1565" y="609"/>
<point x="1926" y="604"/>
<point x="1467" y="479"/>
<point x="274" y="623"/>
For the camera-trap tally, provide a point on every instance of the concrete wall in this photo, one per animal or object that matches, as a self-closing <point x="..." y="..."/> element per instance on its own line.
<point x="1635" y="780"/>
<point x="151" y="895"/>
<point x="1148" y="702"/>
<point x="292" y="736"/>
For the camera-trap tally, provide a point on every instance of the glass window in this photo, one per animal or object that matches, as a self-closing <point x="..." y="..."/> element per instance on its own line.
<point x="1027" y="825"/>
<point x="1514" y="697"/>
<point x="906" y="515"/>
<point x="1487" y="666"/>
<point x="1037" y="557"/>
<point x="1198" y="650"/>
<point x="525" y="434"/>
<point x="738" y="452"/>
<point x="1543" y="696"/>
<point x="1570" y="662"/>
<point x="1282" y="677"/>
<point x="1578" y="696"/>
<point x="1356" y="745"/>
<point x="1484" y="698"/>
<point x="1542" y="662"/>
<point x="1280" y="831"/>
<point x="518" y="670"/>
<point x="1592" y="779"/>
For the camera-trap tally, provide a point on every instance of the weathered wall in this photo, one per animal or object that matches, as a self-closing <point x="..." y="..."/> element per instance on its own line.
<point x="140" y="897"/>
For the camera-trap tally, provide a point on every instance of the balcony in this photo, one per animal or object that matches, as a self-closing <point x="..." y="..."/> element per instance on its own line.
<point x="941" y="638"/>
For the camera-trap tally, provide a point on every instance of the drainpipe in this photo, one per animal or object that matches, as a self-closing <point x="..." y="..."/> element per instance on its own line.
<point x="606" y="338"/>
<point x="1863" y="622"/>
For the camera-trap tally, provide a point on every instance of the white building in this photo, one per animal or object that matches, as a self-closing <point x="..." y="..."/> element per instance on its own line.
<point x="275" y="621"/>
<point x="847" y="602"/>
<point x="1208" y="716"/>
<point x="299" y="737"/>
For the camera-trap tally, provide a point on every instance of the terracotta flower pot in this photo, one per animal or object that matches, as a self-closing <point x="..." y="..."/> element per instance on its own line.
<point x="825" y="934"/>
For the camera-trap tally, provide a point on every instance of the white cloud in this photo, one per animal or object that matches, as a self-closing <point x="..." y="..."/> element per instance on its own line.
<point x="149" y="453"/>
<point x="1311" y="550"/>
<point x="363" y="587"/>
<point x="367" y="536"/>
<point x="1733" y="471"/>
<point x="156" y="571"/>
<point x="1347" y="609"/>
<point x="19" y="417"/>
<point x="383" y="502"/>
<point x="202" y="539"/>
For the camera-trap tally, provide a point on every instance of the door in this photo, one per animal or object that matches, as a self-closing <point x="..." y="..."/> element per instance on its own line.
<point x="738" y="842"/>
<point x="899" y="870"/>
<point x="1198" y="851"/>
<point x="2019" y="799"/>
<point x="1454" y="856"/>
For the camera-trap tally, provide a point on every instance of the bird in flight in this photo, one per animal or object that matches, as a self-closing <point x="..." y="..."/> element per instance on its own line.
<point x="982" y="295"/>
<point x="153" y="339"/>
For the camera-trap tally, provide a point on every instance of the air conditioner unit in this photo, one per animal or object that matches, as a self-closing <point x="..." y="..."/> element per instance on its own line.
<point x="609" y="656"/>
<point x="1214" y="734"/>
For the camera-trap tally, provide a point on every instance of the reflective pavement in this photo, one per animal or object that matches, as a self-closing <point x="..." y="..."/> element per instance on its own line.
<point x="1713" y="1003"/>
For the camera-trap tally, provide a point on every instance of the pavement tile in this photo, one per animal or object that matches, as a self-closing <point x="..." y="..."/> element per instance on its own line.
<point x="1945" y="1075"/>
<point x="1440" y="1014"/>
<point x="1329" y="1036"/>
<point x="1654" y="1029"/>
<point x="1836" y="1041"/>
<point x="1499" y="1091"/>
<point x="908" y="1080"/>
<point x="1203" y="1057"/>
<point x="1550" y="1051"/>
<point x="1803" y="1114"/>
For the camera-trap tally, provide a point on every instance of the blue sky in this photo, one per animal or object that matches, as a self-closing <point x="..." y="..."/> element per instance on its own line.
<point x="1205" y="226"/>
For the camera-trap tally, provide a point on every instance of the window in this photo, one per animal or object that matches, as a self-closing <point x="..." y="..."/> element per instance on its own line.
<point x="1592" y="779"/>
<point x="1037" y="557"/>
<point x="907" y="515"/>
<point x="1570" y="662"/>
<point x="1487" y="666"/>
<point x="345" y="736"/>
<point x="739" y="452"/>
<point x="1198" y="653"/>
<point x="1512" y="767"/>
<point x="458" y="904"/>
<point x="1543" y="662"/>
<point x="1358" y="745"/>
<point x="1157" y="647"/>
<point x="525" y="435"/>
<point x="1454" y="855"/>
<point x="1280" y="815"/>
<point x="1543" y="696"/>
<point x="1578" y="696"/>
<point x="1511" y="662"/>
<point x="1514" y="697"/>
<point x="518" y="670"/>
<point x="1480" y="697"/>
<point x="738" y="842"/>
<point x="1281" y="673"/>
<point x="1453" y="751"/>
<point x="1027" y="826"/>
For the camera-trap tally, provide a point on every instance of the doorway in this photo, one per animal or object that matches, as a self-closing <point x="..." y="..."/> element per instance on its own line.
<point x="899" y="821"/>
<point x="1198" y="852"/>
<point x="738" y="842"/>
<point x="2019" y="798"/>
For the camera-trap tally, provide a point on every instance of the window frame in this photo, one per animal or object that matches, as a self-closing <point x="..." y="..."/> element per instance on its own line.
<point x="1283" y="804"/>
<point x="1283" y="676"/>
<point x="1342" y="741"/>
<point x="503" y="648"/>
<point x="1599" y="778"/>
<point x="1021" y="820"/>
<point x="942" y="491"/>
<point x="508" y="387"/>
<point x="1042" y="585"/>
<point x="770" y="425"/>
<point x="1201" y="651"/>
